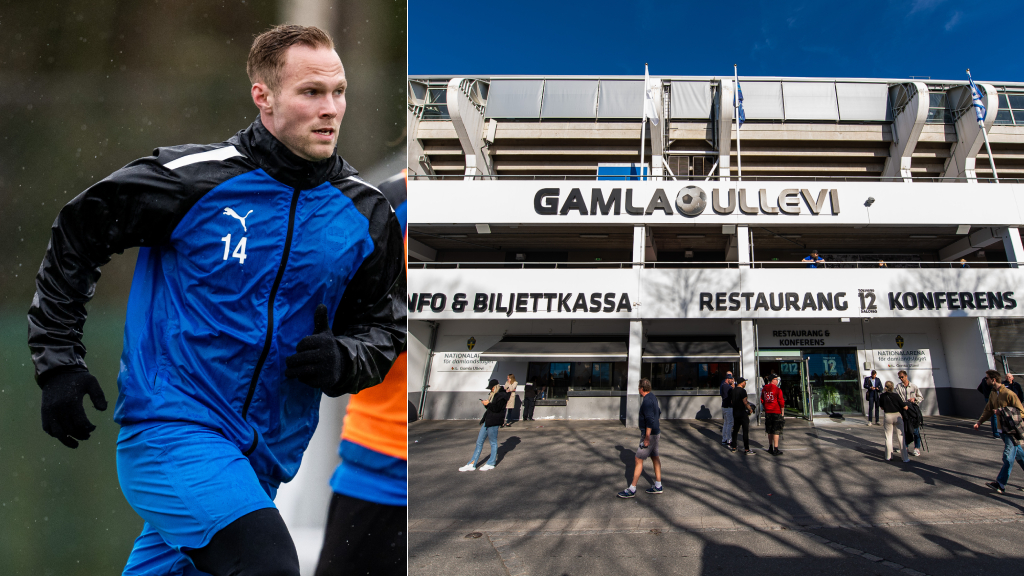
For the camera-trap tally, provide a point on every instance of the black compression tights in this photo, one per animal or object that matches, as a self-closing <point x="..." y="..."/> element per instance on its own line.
<point x="745" y="425"/>
<point x="257" y="544"/>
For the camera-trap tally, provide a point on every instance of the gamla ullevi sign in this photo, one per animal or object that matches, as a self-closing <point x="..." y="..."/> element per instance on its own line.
<point x="898" y="359"/>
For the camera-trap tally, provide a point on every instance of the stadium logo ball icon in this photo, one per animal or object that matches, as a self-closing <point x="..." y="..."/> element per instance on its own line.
<point x="691" y="201"/>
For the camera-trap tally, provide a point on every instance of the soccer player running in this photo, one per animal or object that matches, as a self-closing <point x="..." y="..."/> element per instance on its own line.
<point x="650" y="431"/>
<point x="367" y="520"/>
<point x="268" y="274"/>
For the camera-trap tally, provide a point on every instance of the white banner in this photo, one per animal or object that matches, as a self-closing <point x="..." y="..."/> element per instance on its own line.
<point x="901" y="359"/>
<point x="462" y="362"/>
<point x="799" y="293"/>
<point x="680" y="202"/>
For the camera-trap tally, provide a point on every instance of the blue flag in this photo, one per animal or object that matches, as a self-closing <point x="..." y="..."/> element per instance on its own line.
<point x="741" y="116"/>
<point x="979" y="108"/>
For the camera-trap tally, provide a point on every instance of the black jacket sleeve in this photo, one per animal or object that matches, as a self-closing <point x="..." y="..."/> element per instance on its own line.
<point x="370" y="324"/>
<point x="139" y="205"/>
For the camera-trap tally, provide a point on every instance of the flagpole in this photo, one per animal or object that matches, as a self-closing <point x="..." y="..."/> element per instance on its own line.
<point x="735" y="108"/>
<point x="643" y="138"/>
<point x="643" y="123"/>
<point x="988" y="148"/>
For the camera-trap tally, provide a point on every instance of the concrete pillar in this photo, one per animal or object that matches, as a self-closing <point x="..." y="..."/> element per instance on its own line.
<point x="986" y="342"/>
<point x="743" y="246"/>
<point x="636" y="339"/>
<point x="639" y="233"/>
<point x="747" y="352"/>
<point x="1012" y="245"/>
<point x="910" y="103"/>
<point x="633" y="365"/>
<point x="468" y="120"/>
<point x="961" y="162"/>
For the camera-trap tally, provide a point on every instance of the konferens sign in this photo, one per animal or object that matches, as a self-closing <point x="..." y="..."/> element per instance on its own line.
<point x="688" y="201"/>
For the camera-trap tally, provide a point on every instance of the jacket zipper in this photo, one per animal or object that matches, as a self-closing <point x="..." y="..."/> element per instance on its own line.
<point x="270" y="315"/>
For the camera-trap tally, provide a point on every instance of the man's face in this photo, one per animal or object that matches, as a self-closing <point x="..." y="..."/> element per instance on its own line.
<point x="903" y="379"/>
<point x="1009" y="378"/>
<point x="306" y="109"/>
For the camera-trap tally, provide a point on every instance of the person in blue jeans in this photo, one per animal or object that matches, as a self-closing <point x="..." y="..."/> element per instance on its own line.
<point x="1002" y="397"/>
<point x="489" y="424"/>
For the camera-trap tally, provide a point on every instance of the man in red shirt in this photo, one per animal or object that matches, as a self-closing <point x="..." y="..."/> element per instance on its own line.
<point x="774" y="404"/>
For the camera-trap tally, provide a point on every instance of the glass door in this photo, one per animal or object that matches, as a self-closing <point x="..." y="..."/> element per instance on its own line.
<point x="792" y="381"/>
<point x="834" y="381"/>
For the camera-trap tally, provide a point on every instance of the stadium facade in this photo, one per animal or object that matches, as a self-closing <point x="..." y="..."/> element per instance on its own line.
<point x="544" y="243"/>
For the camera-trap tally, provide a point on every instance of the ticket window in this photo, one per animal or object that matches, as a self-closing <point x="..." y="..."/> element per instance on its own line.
<point x="687" y="375"/>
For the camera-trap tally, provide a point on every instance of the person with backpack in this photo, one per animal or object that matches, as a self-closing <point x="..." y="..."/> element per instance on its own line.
<point x="774" y="404"/>
<point x="1005" y="405"/>
<point x="911" y="395"/>
<point x="985" y="388"/>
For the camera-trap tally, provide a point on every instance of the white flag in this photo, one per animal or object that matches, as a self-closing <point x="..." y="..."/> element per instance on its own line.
<point x="650" y="112"/>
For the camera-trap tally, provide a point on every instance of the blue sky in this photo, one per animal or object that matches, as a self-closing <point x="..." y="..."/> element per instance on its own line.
<point x="873" y="39"/>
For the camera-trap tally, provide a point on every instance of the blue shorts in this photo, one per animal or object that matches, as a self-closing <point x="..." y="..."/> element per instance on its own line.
<point x="187" y="482"/>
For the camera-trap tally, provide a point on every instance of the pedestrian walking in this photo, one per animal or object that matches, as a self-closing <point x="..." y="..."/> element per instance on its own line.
<point x="529" y="400"/>
<point x="893" y="408"/>
<point x="510" y="387"/>
<point x="911" y="395"/>
<point x="985" y="389"/>
<point x="873" y="385"/>
<point x="650" y="431"/>
<point x="741" y="411"/>
<point x="494" y="414"/>
<point x="1004" y="404"/>
<point x="773" y="404"/>
<point x="724" y="390"/>
<point x="1014" y="387"/>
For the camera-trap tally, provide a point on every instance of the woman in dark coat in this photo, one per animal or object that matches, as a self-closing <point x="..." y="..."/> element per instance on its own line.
<point x="494" y="416"/>
<point x="894" y="408"/>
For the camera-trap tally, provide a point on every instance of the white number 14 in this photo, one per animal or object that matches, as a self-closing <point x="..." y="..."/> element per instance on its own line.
<point x="239" y="251"/>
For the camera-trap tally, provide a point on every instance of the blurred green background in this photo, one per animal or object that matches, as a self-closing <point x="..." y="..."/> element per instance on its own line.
<point x="85" y="88"/>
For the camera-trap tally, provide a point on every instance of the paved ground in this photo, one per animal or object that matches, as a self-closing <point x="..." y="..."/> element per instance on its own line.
<point x="830" y="505"/>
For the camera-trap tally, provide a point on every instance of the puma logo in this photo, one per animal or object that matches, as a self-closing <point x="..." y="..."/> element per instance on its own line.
<point x="235" y="215"/>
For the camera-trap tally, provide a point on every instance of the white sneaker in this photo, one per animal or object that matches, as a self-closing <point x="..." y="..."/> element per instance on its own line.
<point x="469" y="468"/>
<point x="917" y="452"/>
<point x="486" y="467"/>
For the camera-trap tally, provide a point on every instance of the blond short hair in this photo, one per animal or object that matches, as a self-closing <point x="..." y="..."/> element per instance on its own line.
<point x="266" y="56"/>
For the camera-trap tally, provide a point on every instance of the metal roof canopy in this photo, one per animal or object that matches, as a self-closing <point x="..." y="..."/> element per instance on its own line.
<point x="542" y="349"/>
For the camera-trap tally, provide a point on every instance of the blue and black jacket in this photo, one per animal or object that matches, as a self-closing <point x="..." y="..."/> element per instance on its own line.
<point x="240" y="241"/>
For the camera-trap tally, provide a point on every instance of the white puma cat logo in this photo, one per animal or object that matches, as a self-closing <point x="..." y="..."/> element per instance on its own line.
<point x="235" y="215"/>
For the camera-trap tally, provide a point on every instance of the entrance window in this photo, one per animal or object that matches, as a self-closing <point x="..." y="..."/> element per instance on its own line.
<point x="556" y="379"/>
<point x="684" y="375"/>
<point x="834" y="379"/>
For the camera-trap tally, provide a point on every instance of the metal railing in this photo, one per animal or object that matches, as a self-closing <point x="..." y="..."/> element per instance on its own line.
<point x="766" y="264"/>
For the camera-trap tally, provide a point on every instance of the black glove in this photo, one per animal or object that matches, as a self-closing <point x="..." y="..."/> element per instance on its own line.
<point x="63" y="410"/>
<point x="317" y="361"/>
